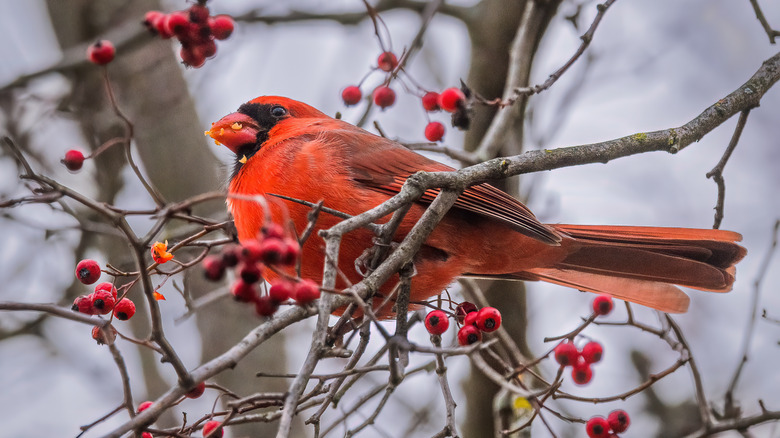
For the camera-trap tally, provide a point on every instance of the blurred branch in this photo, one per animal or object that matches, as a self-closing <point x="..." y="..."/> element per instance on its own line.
<point x="717" y="172"/>
<point x="771" y="33"/>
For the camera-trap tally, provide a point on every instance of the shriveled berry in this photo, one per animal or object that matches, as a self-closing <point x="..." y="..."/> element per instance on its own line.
<point x="581" y="372"/>
<point x="221" y="26"/>
<point x="597" y="427"/>
<point x="124" y="309"/>
<point x="101" y="52"/>
<point x="88" y="271"/>
<point x="384" y="96"/>
<point x="434" y="131"/>
<point x="351" y="95"/>
<point x="107" y="337"/>
<point x="602" y="304"/>
<point x="107" y="287"/>
<point x="213" y="267"/>
<point x="306" y="291"/>
<point x="281" y="290"/>
<point x="387" y="61"/>
<point x="468" y="334"/>
<point x="464" y="309"/>
<point x="103" y="301"/>
<point x="430" y="101"/>
<point x="249" y="273"/>
<point x="197" y="391"/>
<point x="488" y="319"/>
<point x="451" y="99"/>
<point x="199" y="13"/>
<point x="73" y="160"/>
<point x="265" y="306"/>
<point x="144" y="406"/>
<point x="243" y="291"/>
<point x="618" y="420"/>
<point x="211" y="429"/>
<point x="83" y="304"/>
<point x="566" y="354"/>
<point x="437" y="322"/>
<point x="592" y="352"/>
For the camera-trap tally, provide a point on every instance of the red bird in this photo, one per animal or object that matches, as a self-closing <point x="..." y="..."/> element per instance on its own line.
<point x="289" y="148"/>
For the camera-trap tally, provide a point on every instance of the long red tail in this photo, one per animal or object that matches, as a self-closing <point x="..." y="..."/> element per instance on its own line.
<point x="640" y="264"/>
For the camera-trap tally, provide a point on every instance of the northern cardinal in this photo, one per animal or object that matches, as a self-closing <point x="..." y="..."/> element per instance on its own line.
<point x="288" y="148"/>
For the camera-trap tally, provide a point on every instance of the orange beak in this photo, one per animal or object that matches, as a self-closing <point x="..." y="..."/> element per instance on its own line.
<point x="234" y="131"/>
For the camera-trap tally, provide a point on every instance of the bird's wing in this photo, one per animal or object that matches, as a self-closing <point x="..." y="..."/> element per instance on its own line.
<point x="383" y="165"/>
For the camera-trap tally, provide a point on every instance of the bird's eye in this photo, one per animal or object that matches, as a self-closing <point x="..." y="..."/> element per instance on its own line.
<point x="278" y="111"/>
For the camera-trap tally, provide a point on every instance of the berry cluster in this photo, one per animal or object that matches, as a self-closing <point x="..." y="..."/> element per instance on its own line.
<point x="102" y="301"/>
<point x="567" y="354"/>
<point x="475" y="321"/>
<point x="616" y="422"/>
<point x="195" y="29"/>
<point x="251" y="259"/>
<point x="452" y="100"/>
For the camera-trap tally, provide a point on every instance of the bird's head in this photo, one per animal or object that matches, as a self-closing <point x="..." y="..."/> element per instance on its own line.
<point x="245" y="131"/>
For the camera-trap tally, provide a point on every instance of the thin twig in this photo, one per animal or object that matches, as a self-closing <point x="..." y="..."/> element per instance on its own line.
<point x="717" y="172"/>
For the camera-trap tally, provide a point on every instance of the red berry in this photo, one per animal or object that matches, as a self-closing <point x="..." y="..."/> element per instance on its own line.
<point x="221" y="26"/>
<point x="384" y="96"/>
<point x="199" y="13"/>
<point x="107" y="287"/>
<point x="602" y="304"/>
<point x="231" y="255"/>
<point x="592" y="352"/>
<point x="566" y="354"/>
<point x="437" y="322"/>
<point x="83" y="304"/>
<point x="451" y="99"/>
<point x="88" y="271"/>
<point x="251" y="251"/>
<point x="266" y="306"/>
<point x="387" y="61"/>
<point x="144" y="406"/>
<point x="210" y="429"/>
<point x="206" y="49"/>
<point x="243" y="291"/>
<point x="124" y="309"/>
<point x="468" y="334"/>
<point x="151" y="19"/>
<point x="281" y="290"/>
<point x="191" y="58"/>
<point x="73" y="160"/>
<point x="464" y="309"/>
<point x="581" y="372"/>
<point x="488" y="319"/>
<point x="103" y="301"/>
<point x="471" y="319"/>
<point x="434" y="131"/>
<point x="351" y="95"/>
<point x="291" y="251"/>
<point x="213" y="267"/>
<point x="249" y="273"/>
<point x="273" y="231"/>
<point x="430" y="101"/>
<point x="272" y="251"/>
<point x="101" y="52"/>
<point x="306" y="291"/>
<point x="597" y="427"/>
<point x="146" y="435"/>
<point x="618" y="420"/>
<point x="176" y="23"/>
<point x="197" y="391"/>
<point x="101" y="339"/>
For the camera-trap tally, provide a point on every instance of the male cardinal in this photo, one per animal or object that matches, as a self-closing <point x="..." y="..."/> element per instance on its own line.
<point x="288" y="148"/>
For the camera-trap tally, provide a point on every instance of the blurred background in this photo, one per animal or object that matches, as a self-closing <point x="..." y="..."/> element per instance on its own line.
<point x="653" y="64"/>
